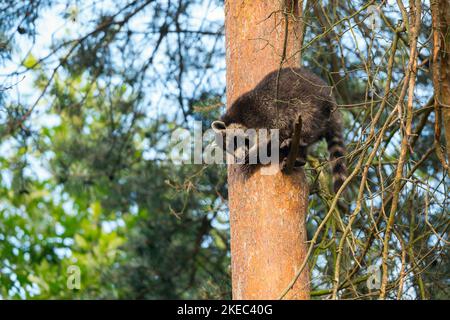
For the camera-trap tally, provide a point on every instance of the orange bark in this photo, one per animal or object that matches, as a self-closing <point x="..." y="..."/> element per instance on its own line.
<point x="444" y="11"/>
<point x="440" y="13"/>
<point x="267" y="212"/>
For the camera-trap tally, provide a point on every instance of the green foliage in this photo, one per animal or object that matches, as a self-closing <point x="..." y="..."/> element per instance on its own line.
<point x="136" y="228"/>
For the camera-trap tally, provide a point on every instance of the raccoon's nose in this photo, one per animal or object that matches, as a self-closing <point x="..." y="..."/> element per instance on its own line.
<point x="218" y="126"/>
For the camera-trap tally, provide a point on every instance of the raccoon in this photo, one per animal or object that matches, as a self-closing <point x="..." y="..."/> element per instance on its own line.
<point x="278" y="101"/>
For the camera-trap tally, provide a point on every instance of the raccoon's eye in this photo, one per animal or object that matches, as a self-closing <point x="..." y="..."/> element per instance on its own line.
<point x="236" y="141"/>
<point x="251" y="141"/>
<point x="240" y="141"/>
<point x="247" y="143"/>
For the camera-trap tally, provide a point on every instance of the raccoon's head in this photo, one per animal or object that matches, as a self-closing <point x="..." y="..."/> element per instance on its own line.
<point x="232" y="138"/>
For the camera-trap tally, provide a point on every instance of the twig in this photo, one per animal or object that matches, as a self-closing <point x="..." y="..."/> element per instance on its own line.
<point x="293" y="152"/>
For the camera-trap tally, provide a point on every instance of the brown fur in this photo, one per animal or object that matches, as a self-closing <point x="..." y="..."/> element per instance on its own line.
<point x="300" y="92"/>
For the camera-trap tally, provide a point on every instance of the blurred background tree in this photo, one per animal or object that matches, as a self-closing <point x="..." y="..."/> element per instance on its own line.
<point x="90" y="93"/>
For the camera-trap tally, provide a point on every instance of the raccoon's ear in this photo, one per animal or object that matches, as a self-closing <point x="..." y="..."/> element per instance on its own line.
<point x="219" y="126"/>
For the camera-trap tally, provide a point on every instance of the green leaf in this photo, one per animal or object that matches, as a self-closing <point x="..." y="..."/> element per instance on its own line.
<point x="31" y="62"/>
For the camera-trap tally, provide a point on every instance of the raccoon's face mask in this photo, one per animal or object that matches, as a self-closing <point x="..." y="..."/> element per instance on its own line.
<point x="232" y="138"/>
<point x="235" y="139"/>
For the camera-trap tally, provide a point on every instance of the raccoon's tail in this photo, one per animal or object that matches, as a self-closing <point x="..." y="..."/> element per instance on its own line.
<point x="336" y="149"/>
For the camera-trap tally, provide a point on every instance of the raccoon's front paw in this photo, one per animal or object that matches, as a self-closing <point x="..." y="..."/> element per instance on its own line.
<point x="299" y="162"/>
<point x="285" y="146"/>
<point x="285" y="149"/>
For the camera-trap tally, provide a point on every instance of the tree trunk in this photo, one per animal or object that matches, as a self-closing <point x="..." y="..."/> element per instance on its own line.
<point x="444" y="13"/>
<point x="267" y="212"/>
<point x="440" y="13"/>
